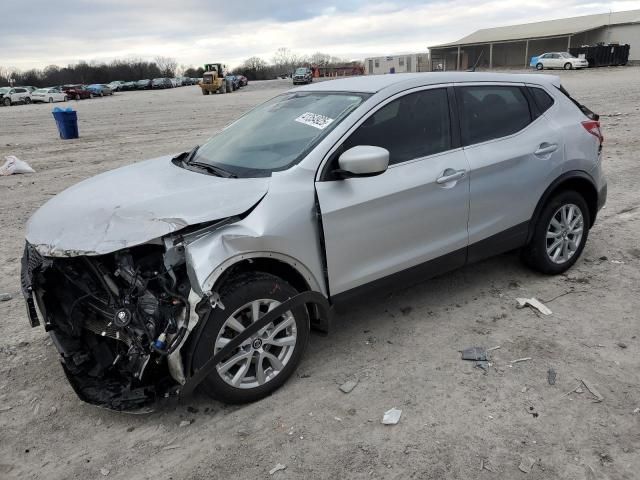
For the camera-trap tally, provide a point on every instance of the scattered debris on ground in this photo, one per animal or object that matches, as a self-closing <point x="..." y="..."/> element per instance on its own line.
<point x="535" y="304"/>
<point x="14" y="165"/>
<point x="277" y="468"/>
<point x="348" y="386"/>
<point x="186" y="423"/>
<point x="551" y="376"/>
<point x="622" y="345"/>
<point x="518" y="360"/>
<point x="598" y="398"/>
<point x="391" y="417"/>
<point x="104" y="472"/>
<point x="526" y="464"/>
<point x="531" y="410"/>
<point x="480" y="355"/>
<point x="5" y="297"/>
<point x="486" y="465"/>
<point x="475" y="353"/>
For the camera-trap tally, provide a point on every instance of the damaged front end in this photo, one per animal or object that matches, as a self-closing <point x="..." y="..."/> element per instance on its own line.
<point x="118" y="320"/>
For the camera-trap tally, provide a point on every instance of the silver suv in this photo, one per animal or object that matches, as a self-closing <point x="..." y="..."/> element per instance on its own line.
<point x="210" y="267"/>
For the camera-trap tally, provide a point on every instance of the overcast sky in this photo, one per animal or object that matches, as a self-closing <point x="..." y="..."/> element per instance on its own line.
<point x="198" y="31"/>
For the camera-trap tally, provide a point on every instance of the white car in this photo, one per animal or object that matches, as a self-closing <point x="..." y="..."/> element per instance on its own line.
<point x="560" y="60"/>
<point x="49" y="95"/>
<point x="12" y="95"/>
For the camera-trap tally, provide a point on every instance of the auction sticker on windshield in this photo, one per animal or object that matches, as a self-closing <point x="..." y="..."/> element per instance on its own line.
<point x="314" y="120"/>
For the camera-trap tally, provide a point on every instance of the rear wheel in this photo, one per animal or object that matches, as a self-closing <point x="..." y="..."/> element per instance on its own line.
<point x="568" y="66"/>
<point x="560" y="234"/>
<point x="264" y="361"/>
<point x="539" y="66"/>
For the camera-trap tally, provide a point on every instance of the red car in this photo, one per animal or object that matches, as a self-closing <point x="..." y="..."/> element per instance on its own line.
<point x="77" y="92"/>
<point x="243" y="80"/>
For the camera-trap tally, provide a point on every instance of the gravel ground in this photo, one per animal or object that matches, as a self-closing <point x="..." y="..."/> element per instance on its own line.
<point x="403" y="348"/>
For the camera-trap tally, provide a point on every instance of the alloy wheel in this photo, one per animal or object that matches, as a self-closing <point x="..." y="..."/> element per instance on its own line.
<point x="564" y="233"/>
<point x="260" y="358"/>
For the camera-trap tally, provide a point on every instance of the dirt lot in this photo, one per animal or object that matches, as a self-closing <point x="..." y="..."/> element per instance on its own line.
<point x="402" y="348"/>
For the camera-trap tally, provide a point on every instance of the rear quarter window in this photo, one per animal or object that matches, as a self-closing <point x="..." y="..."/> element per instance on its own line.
<point x="492" y="111"/>
<point x="543" y="100"/>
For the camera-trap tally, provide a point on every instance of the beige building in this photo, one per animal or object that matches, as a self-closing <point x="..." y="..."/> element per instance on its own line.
<point x="411" y="62"/>
<point x="514" y="45"/>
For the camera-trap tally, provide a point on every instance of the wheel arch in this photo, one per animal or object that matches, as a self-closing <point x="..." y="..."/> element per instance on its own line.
<point x="283" y="266"/>
<point x="577" y="180"/>
<point x="279" y="265"/>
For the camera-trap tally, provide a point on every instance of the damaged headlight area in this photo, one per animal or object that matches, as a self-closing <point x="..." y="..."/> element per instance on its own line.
<point x="116" y="319"/>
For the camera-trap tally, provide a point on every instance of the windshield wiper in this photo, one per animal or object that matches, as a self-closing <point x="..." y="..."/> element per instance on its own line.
<point x="220" y="172"/>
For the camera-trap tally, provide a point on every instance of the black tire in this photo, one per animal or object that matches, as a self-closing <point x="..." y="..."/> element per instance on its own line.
<point x="65" y="99"/>
<point x="236" y="293"/>
<point x="50" y="99"/>
<point x="568" y="66"/>
<point x="539" y="66"/>
<point x="535" y="254"/>
<point x="77" y="96"/>
<point x="27" y="100"/>
<point x="6" y="102"/>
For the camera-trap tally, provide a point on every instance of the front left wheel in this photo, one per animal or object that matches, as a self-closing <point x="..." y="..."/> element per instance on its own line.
<point x="264" y="361"/>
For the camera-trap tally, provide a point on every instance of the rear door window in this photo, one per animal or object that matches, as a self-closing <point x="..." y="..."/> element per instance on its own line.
<point x="410" y="127"/>
<point x="491" y="111"/>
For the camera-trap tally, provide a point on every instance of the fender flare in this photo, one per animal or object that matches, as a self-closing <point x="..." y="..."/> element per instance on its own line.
<point x="294" y="263"/>
<point x="570" y="175"/>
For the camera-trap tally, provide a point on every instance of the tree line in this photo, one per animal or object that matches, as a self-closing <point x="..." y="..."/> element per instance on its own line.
<point x="94" y="72"/>
<point x="283" y="62"/>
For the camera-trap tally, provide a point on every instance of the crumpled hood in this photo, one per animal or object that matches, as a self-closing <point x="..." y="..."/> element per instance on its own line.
<point x="135" y="204"/>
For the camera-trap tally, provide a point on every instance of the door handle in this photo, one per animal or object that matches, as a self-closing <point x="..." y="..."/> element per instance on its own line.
<point x="546" y="148"/>
<point x="451" y="175"/>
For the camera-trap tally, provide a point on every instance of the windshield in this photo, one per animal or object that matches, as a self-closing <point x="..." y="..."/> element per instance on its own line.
<point x="278" y="133"/>
<point x="301" y="71"/>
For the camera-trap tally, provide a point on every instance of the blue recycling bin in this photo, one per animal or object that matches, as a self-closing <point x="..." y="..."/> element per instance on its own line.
<point x="67" y="122"/>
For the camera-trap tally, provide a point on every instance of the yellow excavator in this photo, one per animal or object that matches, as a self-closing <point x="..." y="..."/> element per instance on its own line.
<point x="214" y="79"/>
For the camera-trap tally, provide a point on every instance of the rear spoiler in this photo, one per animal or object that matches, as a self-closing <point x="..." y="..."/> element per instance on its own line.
<point x="586" y="111"/>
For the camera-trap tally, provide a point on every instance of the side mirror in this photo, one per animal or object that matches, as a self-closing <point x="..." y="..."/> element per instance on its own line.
<point x="362" y="161"/>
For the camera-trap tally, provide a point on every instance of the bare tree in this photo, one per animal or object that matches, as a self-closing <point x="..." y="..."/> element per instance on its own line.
<point x="320" y="59"/>
<point x="167" y="65"/>
<point x="254" y="63"/>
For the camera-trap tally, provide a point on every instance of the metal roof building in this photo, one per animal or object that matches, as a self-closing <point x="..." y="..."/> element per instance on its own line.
<point x="512" y="46"/>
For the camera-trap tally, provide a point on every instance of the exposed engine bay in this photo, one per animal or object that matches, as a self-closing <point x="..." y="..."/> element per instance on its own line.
<point x="116" y="320"/>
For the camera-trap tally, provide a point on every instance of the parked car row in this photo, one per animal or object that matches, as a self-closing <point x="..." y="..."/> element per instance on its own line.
<point x="148" y="84"/>
<point x="61" y="93"/>
<point x="237" y="81"/>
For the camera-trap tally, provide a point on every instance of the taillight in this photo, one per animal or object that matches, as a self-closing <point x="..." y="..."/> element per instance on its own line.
<point x="593" y="127"/>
